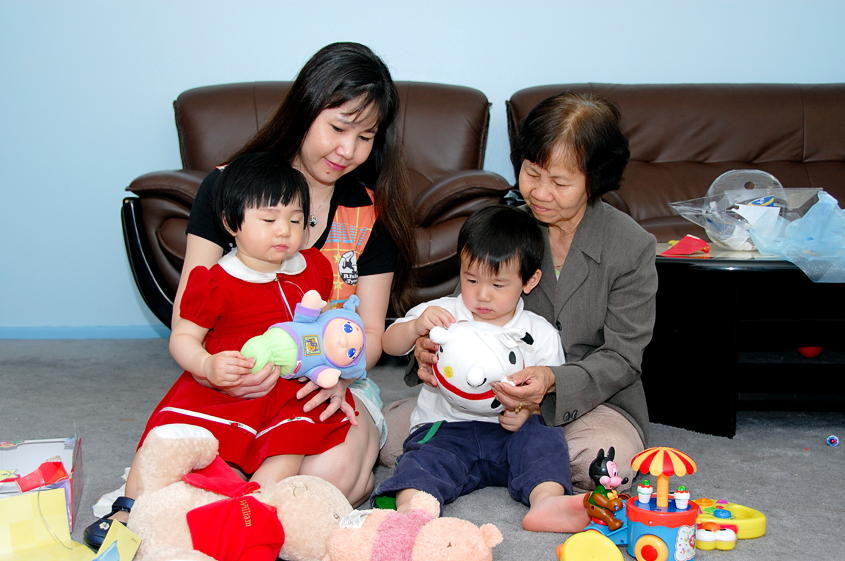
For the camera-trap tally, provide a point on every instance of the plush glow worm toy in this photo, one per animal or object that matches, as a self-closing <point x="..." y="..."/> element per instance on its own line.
<point x="320" y="346"/>
<point x="472" y="355"/>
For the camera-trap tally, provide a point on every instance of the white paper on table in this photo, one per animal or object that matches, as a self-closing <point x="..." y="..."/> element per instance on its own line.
<point x="754" y="213"/>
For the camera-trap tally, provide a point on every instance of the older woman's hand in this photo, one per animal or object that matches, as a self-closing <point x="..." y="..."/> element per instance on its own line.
<point x="530" y="387"/>
<point x="424" y="352"/>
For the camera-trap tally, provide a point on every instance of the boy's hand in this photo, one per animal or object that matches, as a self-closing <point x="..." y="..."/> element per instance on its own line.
<point x="512" y="420"/>
<point x="432" y="316"/>
<point x="226" y="369"/>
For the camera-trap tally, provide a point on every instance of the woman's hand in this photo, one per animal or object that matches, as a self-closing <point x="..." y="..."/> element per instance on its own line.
<point x="530" y="386"/>
<point x="424" y="351"/>
<point x="333" y="397"/>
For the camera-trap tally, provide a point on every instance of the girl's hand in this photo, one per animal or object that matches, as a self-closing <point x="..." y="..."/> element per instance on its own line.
<point x="424" y="351"/>
<point x="333" y="397"/>
<point x="226" y="369"/>
<point x="530" y="387"/>
<point x="433" y="316"/>
<point x="256" y="385"/>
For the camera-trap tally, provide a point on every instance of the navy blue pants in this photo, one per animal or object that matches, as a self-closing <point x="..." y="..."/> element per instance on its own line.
<point x="462" y="457"/>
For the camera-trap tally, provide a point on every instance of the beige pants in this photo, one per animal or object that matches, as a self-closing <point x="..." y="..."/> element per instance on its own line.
<point x="602" y="427"/>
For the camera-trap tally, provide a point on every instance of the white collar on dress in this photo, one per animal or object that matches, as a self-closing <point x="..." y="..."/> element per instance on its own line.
<point x="230" y="263"/>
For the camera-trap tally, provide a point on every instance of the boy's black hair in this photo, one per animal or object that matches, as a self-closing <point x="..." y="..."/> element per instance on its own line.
<point x="257" y="180"/>
<point x="501" y="234"/>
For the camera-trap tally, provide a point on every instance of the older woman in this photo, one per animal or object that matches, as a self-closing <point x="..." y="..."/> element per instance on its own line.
<point x="598" y="285"/>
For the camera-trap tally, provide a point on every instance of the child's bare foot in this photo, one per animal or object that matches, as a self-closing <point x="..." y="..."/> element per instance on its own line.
<point x="121" y="517"/>
<point x="557" y="513"/>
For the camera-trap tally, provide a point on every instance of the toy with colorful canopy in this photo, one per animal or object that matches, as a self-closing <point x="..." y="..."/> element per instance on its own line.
<point x="659" y="528"/>
<point x="656" y="529"/>
<point x="663" y="462"/>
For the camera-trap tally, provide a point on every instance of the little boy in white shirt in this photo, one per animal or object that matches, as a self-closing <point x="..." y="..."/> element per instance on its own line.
<point x="451" y="452"/>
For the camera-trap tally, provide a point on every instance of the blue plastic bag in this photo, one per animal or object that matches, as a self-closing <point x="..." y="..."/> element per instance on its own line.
<point x="815" y="243"/>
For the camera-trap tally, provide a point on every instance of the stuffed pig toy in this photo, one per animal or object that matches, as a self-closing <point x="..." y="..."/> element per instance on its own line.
<point x="472" y="355"/>
<point x="418" y="535"/>
<point x="192" y="506"/>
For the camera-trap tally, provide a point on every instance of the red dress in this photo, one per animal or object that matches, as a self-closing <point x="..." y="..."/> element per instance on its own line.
<point x="234" y="310"/>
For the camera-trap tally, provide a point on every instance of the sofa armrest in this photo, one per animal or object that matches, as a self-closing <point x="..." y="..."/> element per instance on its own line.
<point x="455" y="189"/>
<point x="179" y="185"/>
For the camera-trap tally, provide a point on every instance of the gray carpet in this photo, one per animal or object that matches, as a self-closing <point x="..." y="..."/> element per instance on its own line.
<point x="103" y="391"/>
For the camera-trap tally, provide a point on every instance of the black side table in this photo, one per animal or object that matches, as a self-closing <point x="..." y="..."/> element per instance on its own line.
<point x="727" y="335"/>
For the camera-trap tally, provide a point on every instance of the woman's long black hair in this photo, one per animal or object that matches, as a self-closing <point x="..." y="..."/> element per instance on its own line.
<point x="336" y="74"/>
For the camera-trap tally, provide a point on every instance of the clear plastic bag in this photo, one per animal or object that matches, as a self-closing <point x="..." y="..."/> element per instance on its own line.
<point x="814" y="242"/>
<point x="736" y="199"/>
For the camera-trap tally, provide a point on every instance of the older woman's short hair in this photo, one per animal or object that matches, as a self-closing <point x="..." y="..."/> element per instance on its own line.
<point x="586" y="129"/>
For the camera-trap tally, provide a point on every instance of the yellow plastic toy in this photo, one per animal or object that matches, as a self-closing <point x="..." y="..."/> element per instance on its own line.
<point x="722" y="523"/>
<point x="588" y="546"/>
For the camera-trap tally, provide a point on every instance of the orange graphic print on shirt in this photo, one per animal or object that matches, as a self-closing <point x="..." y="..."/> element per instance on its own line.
<point x="350" y="230"/>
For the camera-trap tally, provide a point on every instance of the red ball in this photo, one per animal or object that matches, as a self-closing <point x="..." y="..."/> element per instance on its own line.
<point x="810" y="352"/>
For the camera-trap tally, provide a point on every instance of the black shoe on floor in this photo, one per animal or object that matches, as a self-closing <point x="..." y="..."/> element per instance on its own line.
<point x="94" y="534"/>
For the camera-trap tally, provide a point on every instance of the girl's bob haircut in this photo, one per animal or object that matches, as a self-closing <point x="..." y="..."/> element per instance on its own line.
<point x="257" y="180"/>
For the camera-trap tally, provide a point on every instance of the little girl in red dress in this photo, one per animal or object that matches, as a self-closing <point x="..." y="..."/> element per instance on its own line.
<point x="264" y="205"/>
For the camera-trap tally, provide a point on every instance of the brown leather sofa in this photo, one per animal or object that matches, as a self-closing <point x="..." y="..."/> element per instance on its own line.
<point x="444" y="134"/>
<point x="683" y="136"/>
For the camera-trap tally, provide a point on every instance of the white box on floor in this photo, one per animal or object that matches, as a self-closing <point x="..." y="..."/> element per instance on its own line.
<point x="21" y="457"/>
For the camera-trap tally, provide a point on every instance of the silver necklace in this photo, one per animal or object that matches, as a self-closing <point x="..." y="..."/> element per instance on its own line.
<point x="312" y="217"/>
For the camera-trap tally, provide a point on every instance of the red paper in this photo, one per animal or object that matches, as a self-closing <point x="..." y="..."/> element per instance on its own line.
<point x="687" y="246"/>
<point x="46" y="474"/>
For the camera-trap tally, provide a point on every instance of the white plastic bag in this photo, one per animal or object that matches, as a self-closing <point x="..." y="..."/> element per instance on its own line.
<point x="815" y="242"/>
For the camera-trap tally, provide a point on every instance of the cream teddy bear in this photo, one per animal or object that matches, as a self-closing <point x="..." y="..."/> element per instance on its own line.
<point x="292" y="519"/>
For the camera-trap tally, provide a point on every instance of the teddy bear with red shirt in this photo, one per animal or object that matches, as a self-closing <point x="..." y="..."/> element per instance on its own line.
<point x="192" y="506"/>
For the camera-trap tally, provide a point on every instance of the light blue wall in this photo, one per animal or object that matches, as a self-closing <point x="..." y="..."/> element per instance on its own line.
<point x="86" y="89"/>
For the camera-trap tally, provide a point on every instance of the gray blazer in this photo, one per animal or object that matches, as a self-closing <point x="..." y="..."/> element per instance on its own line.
<point x="604" y="306"/>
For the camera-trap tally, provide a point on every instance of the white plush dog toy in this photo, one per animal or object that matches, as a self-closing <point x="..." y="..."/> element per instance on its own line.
<point x="472" y="355"/>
